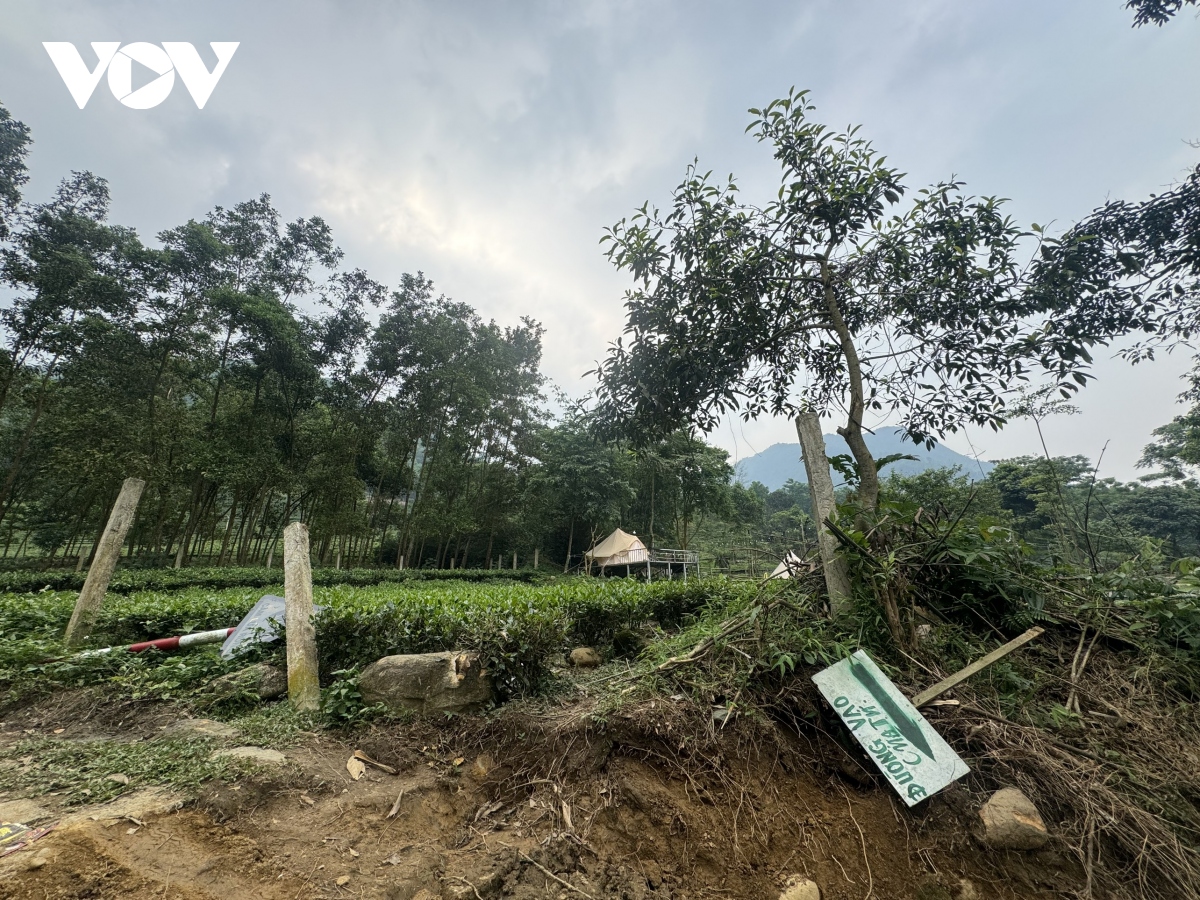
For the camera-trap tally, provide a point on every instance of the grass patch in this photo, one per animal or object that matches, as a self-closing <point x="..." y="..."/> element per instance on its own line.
<point x="275" y="725"/>
<point x="79" y="771"/>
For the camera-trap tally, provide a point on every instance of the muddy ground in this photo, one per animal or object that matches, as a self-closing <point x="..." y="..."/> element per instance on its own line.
<point x="658" y="802"/>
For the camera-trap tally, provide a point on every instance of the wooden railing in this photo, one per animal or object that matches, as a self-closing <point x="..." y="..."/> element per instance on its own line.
<point x="685" y="557"/>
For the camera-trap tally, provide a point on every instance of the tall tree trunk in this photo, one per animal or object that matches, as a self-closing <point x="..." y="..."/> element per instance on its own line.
<point x="14" y="465"/>
<point x="570" y="546"/>
<point x="193" y="517"/>
<point x="852" y="431"/>
<point x="820" y="484"/>
<point x="160" y="521"/>
<point x="652" y="481"/>
<point x="228" y="529"/>
<point x="255" y="514"/>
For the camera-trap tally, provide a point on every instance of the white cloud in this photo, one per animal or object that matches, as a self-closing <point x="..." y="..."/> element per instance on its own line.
<point x="489" y="143"/>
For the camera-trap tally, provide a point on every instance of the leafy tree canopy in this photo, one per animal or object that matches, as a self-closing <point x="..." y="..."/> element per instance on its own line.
<point x="833" y="297"/>
<point x="1156" y="12"/>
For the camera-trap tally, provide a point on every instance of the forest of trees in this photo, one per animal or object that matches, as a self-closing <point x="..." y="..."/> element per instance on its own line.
<point x="252" y="379"/>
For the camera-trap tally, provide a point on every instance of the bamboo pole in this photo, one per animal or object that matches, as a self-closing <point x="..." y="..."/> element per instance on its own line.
<point x="304" y="689"/>
<point x="930" y="694"/>
<point x="87" y="607"/>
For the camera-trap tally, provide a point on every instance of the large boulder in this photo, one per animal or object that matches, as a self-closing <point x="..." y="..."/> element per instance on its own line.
<point x="427" y="682"/>
<point x="1010" y="821"/>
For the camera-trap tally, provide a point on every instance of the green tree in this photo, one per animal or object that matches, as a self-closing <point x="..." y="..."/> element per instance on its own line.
<point x="1156" y="12"/>
<point x="76" y="279"/>
<point x="678" y="482"/>
<point x="14" y="147"/>
<point x="945" y="489"/>
<point x="1176" y="448"/>
<point x="251" y="380"/>
<point x="820" y="302"/>
<point x="583" y="481"/>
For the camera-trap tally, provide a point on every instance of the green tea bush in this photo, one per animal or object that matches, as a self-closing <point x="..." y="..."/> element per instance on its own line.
<point x="126" y="619"/>
<point x="130" y="580"/>
<point x="516" y="628"/>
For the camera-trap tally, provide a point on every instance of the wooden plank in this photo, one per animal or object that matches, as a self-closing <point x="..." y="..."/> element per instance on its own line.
<point x="923" y="698"/>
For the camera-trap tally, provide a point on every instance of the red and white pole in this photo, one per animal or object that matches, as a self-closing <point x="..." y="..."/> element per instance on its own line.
<point x="181" y="642"/>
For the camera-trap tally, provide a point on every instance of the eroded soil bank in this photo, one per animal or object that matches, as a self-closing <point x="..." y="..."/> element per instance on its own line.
<point x="655" y="802"/>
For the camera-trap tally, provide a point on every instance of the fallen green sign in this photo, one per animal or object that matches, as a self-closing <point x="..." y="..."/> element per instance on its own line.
<point x="902" y="744"/>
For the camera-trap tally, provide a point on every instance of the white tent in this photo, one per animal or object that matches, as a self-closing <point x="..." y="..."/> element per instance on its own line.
<point x="618" y="549"/>
<point x="791" y="563"/>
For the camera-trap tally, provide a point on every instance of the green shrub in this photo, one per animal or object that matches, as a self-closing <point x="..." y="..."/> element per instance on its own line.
<point x="516" y="628"/>
<point x="127" y="581"/>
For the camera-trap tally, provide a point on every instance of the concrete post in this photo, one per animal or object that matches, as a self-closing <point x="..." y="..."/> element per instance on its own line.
<point x="816" y="464"/>
<point x="87" y="607"/>
<point x="304" y="687"/>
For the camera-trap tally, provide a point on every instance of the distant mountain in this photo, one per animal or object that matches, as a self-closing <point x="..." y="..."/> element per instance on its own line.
<point x="779" y="462"/>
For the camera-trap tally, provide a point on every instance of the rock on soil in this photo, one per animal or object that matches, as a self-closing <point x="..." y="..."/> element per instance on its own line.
<point x="141" y="804"/>
<point x="585" y="658"/>
<point x="800" y="888"/>
<point x="1011" y="822"/>
<point x="260" y="755"/>
<point x="24" y="812"/>
<point x="201" y="728"/>
<point x="260" y="680"/>
<point x="427" y="682"/>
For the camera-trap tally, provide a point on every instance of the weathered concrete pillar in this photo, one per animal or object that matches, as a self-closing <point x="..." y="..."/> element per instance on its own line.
<point x="820" y="484"/>
<point x="87" y="607"/>
<point x="304" y="687"/>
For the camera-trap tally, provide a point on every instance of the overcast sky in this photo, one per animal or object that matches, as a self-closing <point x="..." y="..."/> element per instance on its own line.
<point x="489" y="144"/>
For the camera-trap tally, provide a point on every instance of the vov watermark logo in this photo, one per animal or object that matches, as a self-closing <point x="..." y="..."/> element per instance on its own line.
<point x="118" y="60"/>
